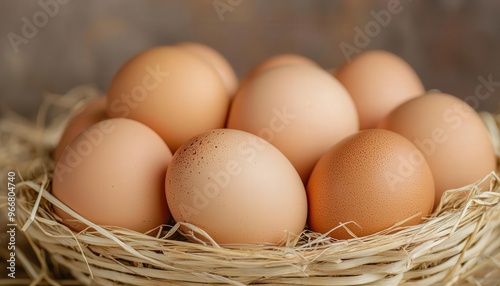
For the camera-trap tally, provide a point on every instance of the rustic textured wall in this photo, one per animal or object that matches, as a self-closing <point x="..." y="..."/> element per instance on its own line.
<point x="451" y="43"/>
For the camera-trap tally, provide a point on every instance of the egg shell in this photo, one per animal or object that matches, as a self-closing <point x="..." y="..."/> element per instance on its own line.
<point x="378" y="82"/>
<point x="282" y="59"/>
<point x="217" y="61"/>
<point x="300" y="109"/>
<point x="172" y="91"/>
<point x="236" y="187"/>
<point x="450" y="134"/>
<point x="276" y="61"/>
<point x="369" y="181"/>
<point x="113" y="174"/>
<point x="92" y="112"/>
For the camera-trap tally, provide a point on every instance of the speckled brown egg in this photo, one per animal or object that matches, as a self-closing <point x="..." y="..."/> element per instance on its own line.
<point x="237" y="187"/>
<point x="370" y="181"/>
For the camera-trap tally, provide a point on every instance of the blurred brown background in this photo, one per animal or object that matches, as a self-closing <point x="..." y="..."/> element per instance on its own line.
<point x="55" y="45"/>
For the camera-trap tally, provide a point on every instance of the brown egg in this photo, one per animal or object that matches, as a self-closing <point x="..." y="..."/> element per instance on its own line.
<point x="172" y="91"/>
<point x="92" y="112"/>
<point x="378" y="82"/>
<point x="374" y="179"/>
<point x="113" y="174"/>
<point x="276" y="61"/>
<point x="300" y="109"/>
<point x="282" y="59"/>
<point x="451" y="135"/>
<point x="236" y="187"/>
<point x="218" y="62"/>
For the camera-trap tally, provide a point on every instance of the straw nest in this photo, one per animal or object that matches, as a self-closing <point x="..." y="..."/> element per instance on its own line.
<point x="458" y="244"/>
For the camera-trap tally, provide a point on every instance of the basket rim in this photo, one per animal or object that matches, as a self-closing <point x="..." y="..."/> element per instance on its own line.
<point x="407" y="250"/>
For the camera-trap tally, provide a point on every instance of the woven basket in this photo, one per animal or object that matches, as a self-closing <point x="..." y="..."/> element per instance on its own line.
<point x="458" y="245"/>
